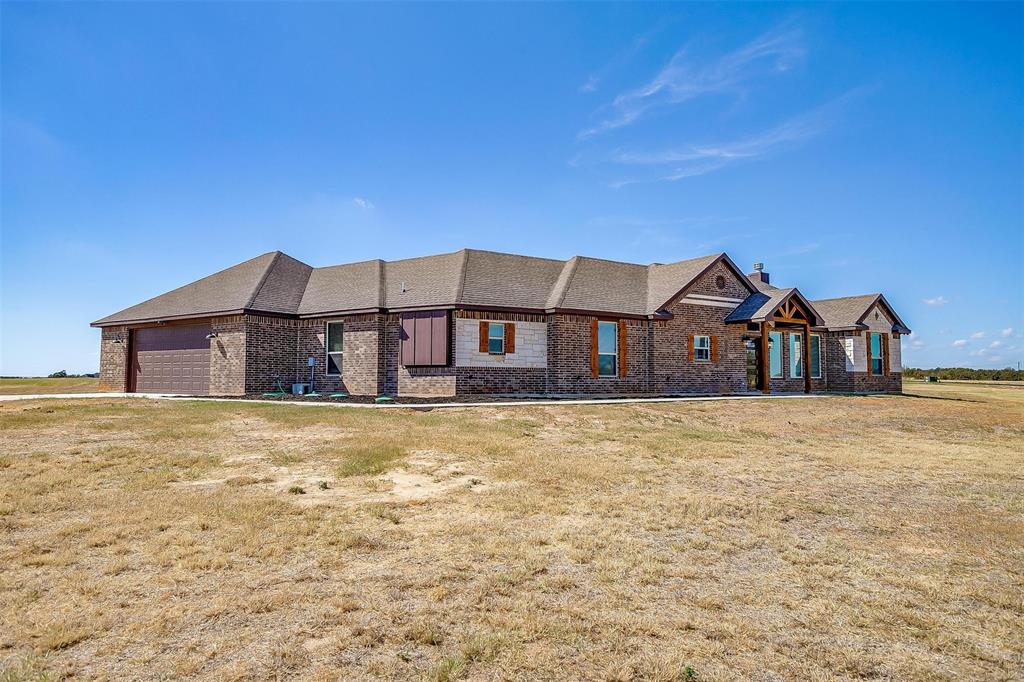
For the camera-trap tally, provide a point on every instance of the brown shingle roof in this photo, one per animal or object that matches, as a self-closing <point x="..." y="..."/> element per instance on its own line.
<point x="759" y="306"/>
<point x="849" y="311"/>
<point x="229" y="290"/>
<point x="277" y="283"/>
<point x="355" y="286"/>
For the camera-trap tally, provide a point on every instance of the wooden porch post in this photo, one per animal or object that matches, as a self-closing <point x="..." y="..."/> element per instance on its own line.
<point x="765" y="378"/>
<point x="807" y="357"/>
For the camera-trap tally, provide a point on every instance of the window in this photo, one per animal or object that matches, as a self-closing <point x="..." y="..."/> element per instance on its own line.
<point x="701" y="347"/>
<point x="607" y="349"/>
<point x="335" y="347"/>
<point x="875" y="366"/>
<point x="796" y="355"/>
<point x="815" y="356"/>
<point x="775" y="354"/>
<point x="496" y="338"/>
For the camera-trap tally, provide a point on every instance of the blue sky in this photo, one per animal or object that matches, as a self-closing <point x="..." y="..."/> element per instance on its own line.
<point x="852" y="148"/>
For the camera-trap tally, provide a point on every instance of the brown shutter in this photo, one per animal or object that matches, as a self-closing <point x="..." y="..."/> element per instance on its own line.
<point x="438" y="338"/>
<point x="510" y="337"/>
<point x="714" y="349"/>
<point x="483" y="336"/>
<point x="623" y="362"/>
<point x="689" y="350"/>
<point x="593" y="348"/>
<point x="408" y="354"/>
<point x="885" y="354"/>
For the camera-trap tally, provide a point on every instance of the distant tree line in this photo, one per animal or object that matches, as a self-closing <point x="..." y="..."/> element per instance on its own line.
<point x="1007" y="374"/>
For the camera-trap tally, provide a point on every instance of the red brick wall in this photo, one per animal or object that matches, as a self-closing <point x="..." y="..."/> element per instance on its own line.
<point x="114" y="359"/>
<point x="569" y="348"/>
<point x="674" y="372"/>
<point x="359" y="366"/>
<point x="227" y="356"/>
<point x="270" y="353"/>
<point x="842" y="380"/>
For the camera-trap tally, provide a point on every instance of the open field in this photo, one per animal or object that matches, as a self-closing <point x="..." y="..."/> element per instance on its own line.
<point x="30" y="385"/>
<point x="843" y="537"/>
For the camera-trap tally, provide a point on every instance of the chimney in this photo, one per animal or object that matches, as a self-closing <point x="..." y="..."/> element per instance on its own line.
<point x="759" y="275"/>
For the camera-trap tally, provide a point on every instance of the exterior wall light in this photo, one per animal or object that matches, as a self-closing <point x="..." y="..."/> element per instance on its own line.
<point x="212" y="335"/>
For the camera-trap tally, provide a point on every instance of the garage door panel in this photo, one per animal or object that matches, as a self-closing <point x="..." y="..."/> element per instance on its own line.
<point x="172" y="359"/>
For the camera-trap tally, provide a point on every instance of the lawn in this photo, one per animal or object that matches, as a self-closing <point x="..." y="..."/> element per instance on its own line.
<point x="873" y="537"/>
<point x="30" y="385"/>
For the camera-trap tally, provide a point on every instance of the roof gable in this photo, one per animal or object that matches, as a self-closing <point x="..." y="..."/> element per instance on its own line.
<point x="850" y="311"/>
<point x="230" y="290"/>
<point x="761" y="306"/>
<point x="683" y="275"/>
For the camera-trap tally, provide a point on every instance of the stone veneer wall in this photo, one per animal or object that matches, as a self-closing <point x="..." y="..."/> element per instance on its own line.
<point x="524" y="371"/>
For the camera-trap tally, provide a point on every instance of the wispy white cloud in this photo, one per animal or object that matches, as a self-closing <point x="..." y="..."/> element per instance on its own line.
<point x="938" y="300"/>
<point x="685" y="77"/>
<point x="590" y="85"/>
<point x="595" y="79"/>
<point x="978" y="335"/>
<point x="1006" y="333"/>
<point x="916" y="343"/>
<point x="700" y="159"/>
<point x="996" y="344"/>
<point x="960" y="343"/>
<point x="363" y="203"/>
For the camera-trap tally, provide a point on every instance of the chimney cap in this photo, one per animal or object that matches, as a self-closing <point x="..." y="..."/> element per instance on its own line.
<point x="758" y="267"/>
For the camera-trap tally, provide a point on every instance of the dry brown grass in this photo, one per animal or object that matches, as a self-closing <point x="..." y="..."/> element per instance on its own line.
<point x="31" y="385"/>
<point x="843" y="537"/>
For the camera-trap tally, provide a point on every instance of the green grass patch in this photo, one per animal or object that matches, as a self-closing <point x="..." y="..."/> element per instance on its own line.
<point x="369" y="460"/>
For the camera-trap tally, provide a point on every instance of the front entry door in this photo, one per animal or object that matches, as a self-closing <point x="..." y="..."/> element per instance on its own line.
<point x="753" y="365"/>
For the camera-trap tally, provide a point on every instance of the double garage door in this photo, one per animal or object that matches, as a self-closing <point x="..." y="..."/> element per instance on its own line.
<point x="171" y="360"/>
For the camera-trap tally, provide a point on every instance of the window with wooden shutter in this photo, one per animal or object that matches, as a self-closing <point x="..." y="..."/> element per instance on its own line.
<point x="714" y="349"/>
<point x="607" y="349"/>
<point x="622" y="348"/>
<point x="593" y="348"/>
<point x="875" y="357"/>
<point x="483" y="337"/>
<point x="689" y="348"/>
<point x="424" y="338"/>
<point x="510" y="337"/>
<point x="496" y="338"/>
<point x="885" y="352"/>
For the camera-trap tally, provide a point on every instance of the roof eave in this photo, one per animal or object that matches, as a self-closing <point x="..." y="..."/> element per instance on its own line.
<point x="103" y="322"/>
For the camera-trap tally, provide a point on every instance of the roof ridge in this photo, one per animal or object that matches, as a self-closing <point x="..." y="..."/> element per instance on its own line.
<point x="572" y="264"/>
<point x="263" y="279"/>
<point x="515" y="255"/>
<point x="846" y="298"/>
<point x="460" y="287"/>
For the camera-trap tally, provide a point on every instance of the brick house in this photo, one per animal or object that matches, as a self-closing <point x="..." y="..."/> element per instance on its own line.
<point x="479" y="322"/>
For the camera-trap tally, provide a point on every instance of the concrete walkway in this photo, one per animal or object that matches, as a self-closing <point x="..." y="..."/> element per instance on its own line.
<point x="62" y="396"/>
<point x="419" y="406"/>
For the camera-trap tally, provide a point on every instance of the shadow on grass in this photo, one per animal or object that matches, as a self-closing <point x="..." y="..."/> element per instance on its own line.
<point x="936" y="397"/>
